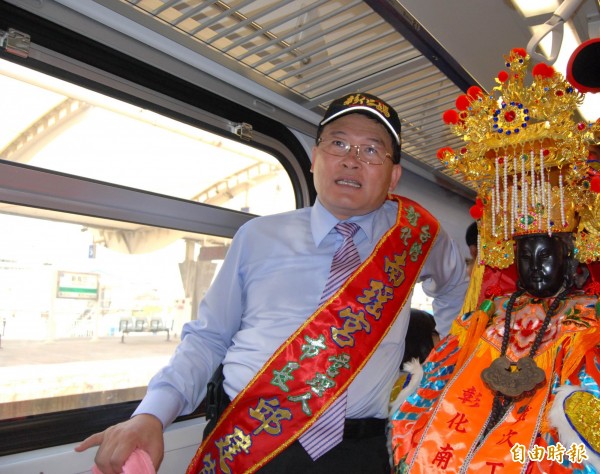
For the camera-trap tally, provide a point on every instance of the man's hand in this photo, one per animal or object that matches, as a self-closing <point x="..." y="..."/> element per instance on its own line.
<point x="119" y="441"/>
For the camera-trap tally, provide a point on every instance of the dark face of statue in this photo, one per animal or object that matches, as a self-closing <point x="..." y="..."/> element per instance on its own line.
<point x="542" y="264"/>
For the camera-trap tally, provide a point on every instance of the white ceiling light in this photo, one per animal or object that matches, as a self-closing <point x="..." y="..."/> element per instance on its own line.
<point x="570" y="41"/>
<point x="529" y="8"/>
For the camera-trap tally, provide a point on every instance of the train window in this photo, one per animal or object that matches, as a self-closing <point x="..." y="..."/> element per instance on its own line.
<point x="122" y="183"/>
<point x="52" y="124"/>
<point x="92" y="308"/>
<point x="116" y="210"/>
<point x="420" y="300"/>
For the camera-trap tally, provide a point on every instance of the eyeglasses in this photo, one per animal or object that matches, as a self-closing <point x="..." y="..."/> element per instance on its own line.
<point x="370" y="154"/>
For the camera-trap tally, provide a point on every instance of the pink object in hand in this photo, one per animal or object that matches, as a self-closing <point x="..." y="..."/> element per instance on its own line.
<point x="138" y="462"/>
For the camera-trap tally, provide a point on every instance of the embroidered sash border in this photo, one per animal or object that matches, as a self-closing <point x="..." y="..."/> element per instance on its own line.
<point x="319" y="361"/>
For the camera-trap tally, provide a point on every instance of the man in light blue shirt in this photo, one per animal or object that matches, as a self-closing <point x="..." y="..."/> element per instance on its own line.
<point x="270" y="283"/>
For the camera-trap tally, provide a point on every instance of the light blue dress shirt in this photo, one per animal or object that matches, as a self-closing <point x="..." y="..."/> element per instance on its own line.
<point x="270" y="283"/>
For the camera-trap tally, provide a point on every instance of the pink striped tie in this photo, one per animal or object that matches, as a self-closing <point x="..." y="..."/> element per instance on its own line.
<point x="328" y="430"/>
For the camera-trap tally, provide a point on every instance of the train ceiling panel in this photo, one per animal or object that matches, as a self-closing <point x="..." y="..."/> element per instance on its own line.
<point x="312" y="51"/>
<point x="418" y="56"/>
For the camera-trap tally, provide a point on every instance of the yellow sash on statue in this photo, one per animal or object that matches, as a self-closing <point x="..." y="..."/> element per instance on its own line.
<point x="449" y="440"/>
<point x="318" y="362"/>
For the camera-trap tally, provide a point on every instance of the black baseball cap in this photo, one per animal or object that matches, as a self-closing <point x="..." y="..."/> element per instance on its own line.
<point x="583" y="68"/>
<point x="368" y="104"/>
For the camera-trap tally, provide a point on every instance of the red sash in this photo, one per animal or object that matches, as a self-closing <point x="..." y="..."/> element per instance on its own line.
<point x="318" y="362"/>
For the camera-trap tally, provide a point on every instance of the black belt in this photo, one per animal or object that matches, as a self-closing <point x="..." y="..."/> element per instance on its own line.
<point x="358" y="428"/>
<point x="217" y="400"/>
<point x="364" y="428"/>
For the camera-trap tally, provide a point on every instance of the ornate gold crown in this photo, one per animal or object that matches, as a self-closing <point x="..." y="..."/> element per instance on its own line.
<point x="528" y="157"/>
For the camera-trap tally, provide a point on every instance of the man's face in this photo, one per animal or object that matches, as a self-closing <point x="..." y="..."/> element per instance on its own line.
<point x="541" y="264"/>
<point x="346" y="186"/>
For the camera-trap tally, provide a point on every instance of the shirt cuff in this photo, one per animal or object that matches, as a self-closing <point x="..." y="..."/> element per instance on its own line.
<point x="164" y="403"/>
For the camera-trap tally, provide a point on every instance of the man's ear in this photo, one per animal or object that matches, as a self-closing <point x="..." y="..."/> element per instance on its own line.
<point x="312" y="160"/>
<point x="396" y="173"/>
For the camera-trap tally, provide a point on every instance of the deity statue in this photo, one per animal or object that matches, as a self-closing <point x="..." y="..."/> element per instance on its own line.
<point x="515" y="386"/>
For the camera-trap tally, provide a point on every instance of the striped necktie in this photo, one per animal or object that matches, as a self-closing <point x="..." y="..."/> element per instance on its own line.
<point x="328" y="430"/>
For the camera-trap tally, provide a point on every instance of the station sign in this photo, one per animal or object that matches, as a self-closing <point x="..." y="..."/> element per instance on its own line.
<point x="83" y="286"/>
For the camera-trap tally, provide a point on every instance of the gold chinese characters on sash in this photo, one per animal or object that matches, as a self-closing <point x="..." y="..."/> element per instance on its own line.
<point x="319" y="361"/>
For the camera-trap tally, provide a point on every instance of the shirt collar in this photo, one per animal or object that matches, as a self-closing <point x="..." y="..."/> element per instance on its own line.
<point x="322" y="221"/>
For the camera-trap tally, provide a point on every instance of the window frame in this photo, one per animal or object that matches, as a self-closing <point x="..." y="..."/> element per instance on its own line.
<point x="67" y="55"/>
